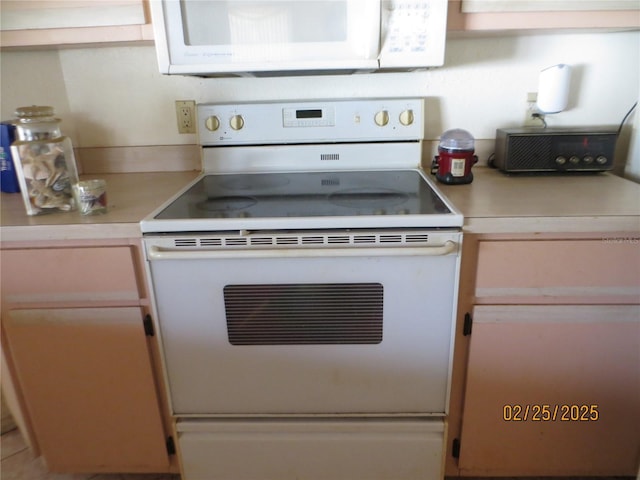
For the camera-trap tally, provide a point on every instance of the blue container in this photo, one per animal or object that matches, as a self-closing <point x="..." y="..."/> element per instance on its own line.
<point x="8" y="179"/>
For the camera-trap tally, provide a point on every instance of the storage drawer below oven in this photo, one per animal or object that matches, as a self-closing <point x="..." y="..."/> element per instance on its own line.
<point x="348" y="449"/>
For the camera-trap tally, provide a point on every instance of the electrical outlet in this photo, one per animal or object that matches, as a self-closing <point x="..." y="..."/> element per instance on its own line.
<point x="529" y="119"/>
<point x="186" y="116"/>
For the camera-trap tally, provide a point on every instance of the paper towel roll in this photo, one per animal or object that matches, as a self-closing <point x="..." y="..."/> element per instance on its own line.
<point x="553" y="88"/>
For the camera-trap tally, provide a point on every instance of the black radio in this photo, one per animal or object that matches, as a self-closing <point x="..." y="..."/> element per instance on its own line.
<point x="589" y="149"/>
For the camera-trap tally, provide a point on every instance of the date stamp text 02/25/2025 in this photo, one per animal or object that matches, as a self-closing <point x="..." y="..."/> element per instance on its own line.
<point x="550" y="412"/>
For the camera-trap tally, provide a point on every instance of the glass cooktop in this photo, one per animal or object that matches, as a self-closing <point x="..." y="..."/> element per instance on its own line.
<point x="307" y="194"/>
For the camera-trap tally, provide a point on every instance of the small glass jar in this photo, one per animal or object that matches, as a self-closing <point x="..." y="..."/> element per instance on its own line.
<point x="44" y="161"/>
<point x="91" y="196"/>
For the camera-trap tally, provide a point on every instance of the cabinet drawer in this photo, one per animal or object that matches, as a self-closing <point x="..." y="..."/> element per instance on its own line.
<point x="313" y="450"/>
<point x="68" y="274"/>
<point x="551" y="271"/>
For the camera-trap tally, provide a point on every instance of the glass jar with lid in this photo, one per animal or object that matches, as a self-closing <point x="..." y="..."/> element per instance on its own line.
<point x="44" y="161"/>
<point x="455" y="157"/>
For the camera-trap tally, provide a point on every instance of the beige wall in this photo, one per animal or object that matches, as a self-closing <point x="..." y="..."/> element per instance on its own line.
<point x="114" y="96"/>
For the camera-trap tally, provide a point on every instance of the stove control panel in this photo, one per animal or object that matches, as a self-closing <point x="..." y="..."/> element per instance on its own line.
<point x="317" y="121"/>
<point x="309" y="117"/>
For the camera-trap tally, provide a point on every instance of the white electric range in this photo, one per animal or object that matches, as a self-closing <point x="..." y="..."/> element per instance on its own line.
<point x="305" y="292"/>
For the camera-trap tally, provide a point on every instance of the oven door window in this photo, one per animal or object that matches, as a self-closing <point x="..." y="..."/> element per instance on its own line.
<point x="304" y="314"/>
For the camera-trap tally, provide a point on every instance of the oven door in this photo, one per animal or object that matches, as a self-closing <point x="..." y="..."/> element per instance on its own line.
<point x="347" y="330"/>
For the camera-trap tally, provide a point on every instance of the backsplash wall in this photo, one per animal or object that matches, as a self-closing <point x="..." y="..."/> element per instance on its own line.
<point x="114" y="96"/>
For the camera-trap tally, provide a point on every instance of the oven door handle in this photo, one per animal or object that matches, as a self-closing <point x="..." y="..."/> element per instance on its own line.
<point x="158" y="253"/>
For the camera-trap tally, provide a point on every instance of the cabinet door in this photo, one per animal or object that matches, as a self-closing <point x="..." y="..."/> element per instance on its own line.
<point x="552" y="390"/>
<point x="64" y="22"/>
<point x="471" y="6"/>
<point x="36" y="14"/>
<point x="88" y="388"/>
<point x="560" y="15"/>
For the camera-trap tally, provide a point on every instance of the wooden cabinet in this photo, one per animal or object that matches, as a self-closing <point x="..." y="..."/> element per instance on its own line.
<point x="514" y="16"/>
<point x="73" y="324"/>
<point x="85" y="374"/>
<point x="552" y="383"/>
<point x="73" y="22"/>
<point x="552" y="390"/>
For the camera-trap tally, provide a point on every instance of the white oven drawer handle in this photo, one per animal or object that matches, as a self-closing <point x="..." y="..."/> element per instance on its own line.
<point x="158" y="253"/>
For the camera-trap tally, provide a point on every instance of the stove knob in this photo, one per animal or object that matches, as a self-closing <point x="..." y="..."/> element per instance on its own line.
<point x="406" y="117"/>
<point x="560" y="160"/>
<point x="237" y="122"/>
<point x="588" y="159"/>
<point x="382" y="118"/>
<point x="601" y="159"/>
<point x="212" y="123"/>
<point x="574" y="159"/>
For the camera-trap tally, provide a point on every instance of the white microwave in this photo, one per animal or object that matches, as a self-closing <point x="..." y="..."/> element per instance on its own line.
<point x="269" y="37"/>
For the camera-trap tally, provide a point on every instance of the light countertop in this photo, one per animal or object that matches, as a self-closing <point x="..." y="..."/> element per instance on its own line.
<point x="499" y="203"/>
<point x="130" y="198"/>
<point x="493" y="203"/>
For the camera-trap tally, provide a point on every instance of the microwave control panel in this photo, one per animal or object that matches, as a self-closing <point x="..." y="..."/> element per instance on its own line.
<point x="413" y="33"/>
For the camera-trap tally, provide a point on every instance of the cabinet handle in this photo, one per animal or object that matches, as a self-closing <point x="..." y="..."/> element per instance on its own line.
<point x="148" y="326"/>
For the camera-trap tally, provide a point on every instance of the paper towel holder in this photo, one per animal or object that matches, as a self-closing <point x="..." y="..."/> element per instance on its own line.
<point x="553" y="89"/>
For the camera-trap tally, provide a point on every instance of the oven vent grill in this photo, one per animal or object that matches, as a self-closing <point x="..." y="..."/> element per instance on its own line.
<point x="287" y="240"/>
<point x="300" y="240"/>
<point x="391" y="238"/>
<point x="236" y="241"/>
<point x="185" y="242"/>
<point x="261" y="241"/>
<point x="364" y="239"/>
<point x="211" y="242"/>
<point x="330" y="182"/>
<point x="329" y="156"/>
<point x="317" y="240"/>
<point x="417" y="238"/>
<point x="338" y="239"/>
